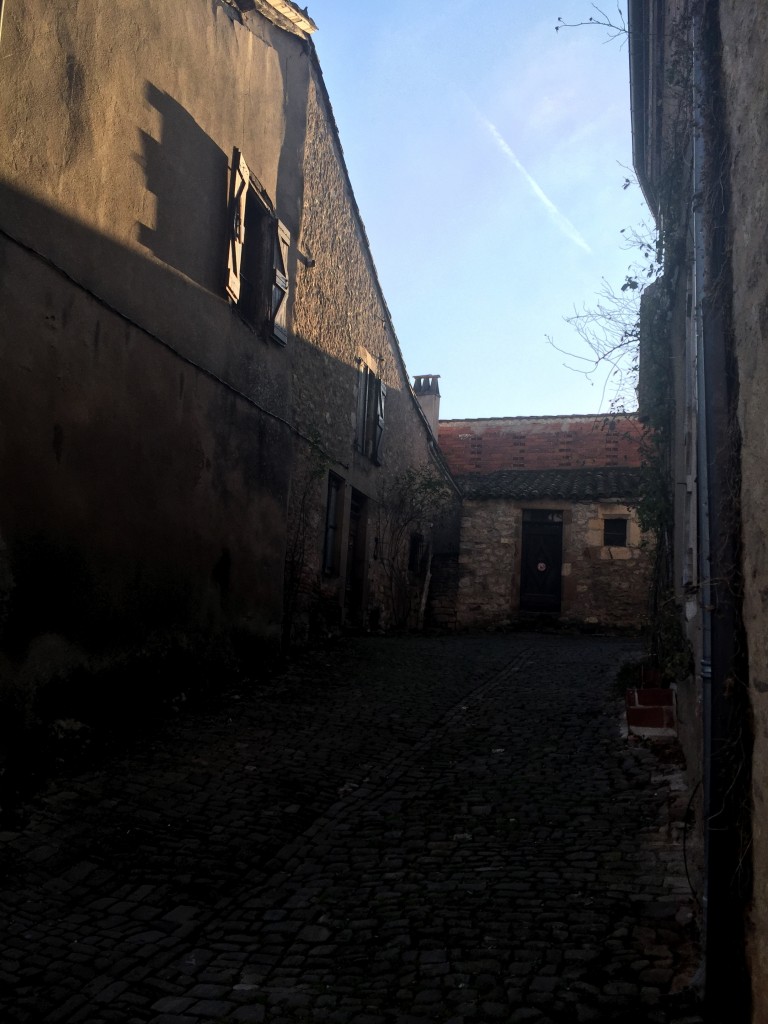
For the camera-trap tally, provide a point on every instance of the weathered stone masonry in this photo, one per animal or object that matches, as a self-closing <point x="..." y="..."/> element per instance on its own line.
<point x="579" y="472"/>
<point x="166" y="458"/>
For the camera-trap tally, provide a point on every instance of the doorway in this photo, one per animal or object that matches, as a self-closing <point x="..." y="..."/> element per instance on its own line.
<point x="354" y="594"/>
<point x="541" y="560"/>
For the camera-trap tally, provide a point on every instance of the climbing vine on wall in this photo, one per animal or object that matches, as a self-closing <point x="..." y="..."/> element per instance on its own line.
<point x="407" y="509"/>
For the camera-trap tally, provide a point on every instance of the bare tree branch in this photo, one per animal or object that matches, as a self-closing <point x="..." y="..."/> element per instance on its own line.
<point x="616" y="29"/>
<point x="609" y="328"/>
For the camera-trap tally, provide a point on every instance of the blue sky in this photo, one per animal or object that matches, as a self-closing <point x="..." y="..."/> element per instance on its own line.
<point x="487" y="153"/>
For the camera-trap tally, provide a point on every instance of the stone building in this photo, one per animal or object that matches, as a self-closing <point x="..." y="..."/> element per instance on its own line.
<point x="548" y="520"/>
<point x="206" y="422"/>
<point x="699" y="94"/>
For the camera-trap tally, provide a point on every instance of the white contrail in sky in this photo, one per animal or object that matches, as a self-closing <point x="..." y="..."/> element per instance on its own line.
<point x="560" y="219"/>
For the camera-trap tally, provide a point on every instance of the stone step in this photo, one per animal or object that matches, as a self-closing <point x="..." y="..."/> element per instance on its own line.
<point x="651" y="712"/>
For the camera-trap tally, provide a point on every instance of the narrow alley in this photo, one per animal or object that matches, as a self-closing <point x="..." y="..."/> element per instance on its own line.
<point x="395" y="831"/>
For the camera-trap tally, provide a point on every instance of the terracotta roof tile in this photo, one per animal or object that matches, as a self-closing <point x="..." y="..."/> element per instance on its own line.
<point x="592" y="484"/>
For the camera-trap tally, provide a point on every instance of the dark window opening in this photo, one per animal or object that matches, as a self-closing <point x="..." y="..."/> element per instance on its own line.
<point x="416" y="552"/>
<point x="257" y="279"/>
<point x="253" y="269"/>
<point x="615" y="533"/>
<point x="370" y="413"/>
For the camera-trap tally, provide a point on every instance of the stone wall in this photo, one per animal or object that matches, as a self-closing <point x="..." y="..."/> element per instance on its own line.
<point x="508" y="465"/>
<point x="442" y="609"/>
<point x="160" y="454"/>
<point x="606" y="586"/>
<point x="490" y="540"/>
<point x="603" y="585"/>
<point x="744" y="30"/>
<point x="339" y="316"/>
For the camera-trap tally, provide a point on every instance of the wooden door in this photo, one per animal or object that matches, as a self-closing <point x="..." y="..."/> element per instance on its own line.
<point x="354" y="598"/>
<point x="541" y="562"/>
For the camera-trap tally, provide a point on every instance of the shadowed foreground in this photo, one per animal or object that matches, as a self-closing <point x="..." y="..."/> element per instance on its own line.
<point x="397" y="831"/>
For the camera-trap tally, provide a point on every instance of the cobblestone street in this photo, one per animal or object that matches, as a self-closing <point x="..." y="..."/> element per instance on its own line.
<point x="395" y="831"/>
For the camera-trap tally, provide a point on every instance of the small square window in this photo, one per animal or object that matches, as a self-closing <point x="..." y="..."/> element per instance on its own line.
<point x="615" y="533"/>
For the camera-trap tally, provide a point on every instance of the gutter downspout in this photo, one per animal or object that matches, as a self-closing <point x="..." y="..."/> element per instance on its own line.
<point x="727" y="987"/>
<point x="702" y="460"/>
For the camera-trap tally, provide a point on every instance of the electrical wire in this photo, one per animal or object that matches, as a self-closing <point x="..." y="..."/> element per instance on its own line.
<point x="170" y="348"/>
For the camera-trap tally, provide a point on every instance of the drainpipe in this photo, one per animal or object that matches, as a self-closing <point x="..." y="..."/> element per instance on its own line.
<point x="726" y="977"/>
<point x="702" y="453"/>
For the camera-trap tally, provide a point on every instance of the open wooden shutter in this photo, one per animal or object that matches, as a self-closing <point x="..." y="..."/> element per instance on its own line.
<point x="279" y="311"/>
<point x="238" y="195"/>
<point x="362" y="404"/>
<point x="378" y="435"/>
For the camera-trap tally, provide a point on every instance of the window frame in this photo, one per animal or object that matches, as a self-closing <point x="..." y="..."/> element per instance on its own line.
<point x="263" y="305"/>
<point x="613" y="543"/>
<point x="371" y="399"/>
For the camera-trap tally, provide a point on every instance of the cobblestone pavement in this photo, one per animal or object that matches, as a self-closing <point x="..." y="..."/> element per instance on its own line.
<point x="396" y="831"/>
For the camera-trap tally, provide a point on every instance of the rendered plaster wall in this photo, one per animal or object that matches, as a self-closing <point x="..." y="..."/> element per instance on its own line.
<point x="133" y="486"/>
<point x="124" y="119"/>
<point x="128" y="473"/>
<point x="744" y="30"/>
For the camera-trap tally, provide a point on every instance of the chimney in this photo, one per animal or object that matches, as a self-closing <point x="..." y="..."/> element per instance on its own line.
<point x="427" y="391"/>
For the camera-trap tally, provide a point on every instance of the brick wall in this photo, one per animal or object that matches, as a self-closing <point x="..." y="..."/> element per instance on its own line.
<point x="540" y="442"/>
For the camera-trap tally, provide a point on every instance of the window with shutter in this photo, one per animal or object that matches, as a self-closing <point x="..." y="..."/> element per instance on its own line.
<point x="282" y="241"/>
<point x="257" y="263"/>
<point x="378" y="427"/>
<point x="371" y="397"/>
<point x="238" y="195"/>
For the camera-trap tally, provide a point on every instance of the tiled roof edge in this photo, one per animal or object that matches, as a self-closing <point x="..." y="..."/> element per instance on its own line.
<point x="589" y="484"/>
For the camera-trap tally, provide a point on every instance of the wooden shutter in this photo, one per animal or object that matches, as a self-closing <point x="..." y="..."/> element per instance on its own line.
<point x="362" y="404"/>
<point x="378" y="434"/>
<point x="279" y="311"/>
<point x="238" y="194"/>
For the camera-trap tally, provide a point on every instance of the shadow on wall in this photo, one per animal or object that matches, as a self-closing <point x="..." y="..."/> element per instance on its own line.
<point x="187" y="172"/>
<point x="125" y="466"/>
<point x="149" y="491"/>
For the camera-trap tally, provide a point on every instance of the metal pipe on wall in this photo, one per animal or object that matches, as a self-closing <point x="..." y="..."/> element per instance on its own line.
<point x="727" y="978"/>
<point x="702" y="453"/>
